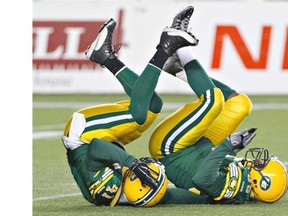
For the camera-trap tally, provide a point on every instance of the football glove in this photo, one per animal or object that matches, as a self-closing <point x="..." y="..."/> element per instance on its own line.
<point x="143" y="172"/>
<point x="149" y="160"/>
<point x="241" y="139"/>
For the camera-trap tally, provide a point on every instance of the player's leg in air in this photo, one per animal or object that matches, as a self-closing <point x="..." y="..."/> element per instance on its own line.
<point x="237" y="105"/>
<point x="189" y="123"/>
<point x="101" y="52"/>
<point x="106" y="56"/>
<point x="236" y="108"/>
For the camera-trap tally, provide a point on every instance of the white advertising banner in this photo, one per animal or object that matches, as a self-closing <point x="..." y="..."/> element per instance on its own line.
<point x="243" y="44"/>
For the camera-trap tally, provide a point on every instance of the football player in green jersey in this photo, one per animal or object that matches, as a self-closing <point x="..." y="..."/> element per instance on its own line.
<point x="198" y="145"/>
<point x="95" y="136"/>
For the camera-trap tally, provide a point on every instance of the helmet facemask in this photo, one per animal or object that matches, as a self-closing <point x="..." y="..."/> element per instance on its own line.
<point x="259" y="158"/>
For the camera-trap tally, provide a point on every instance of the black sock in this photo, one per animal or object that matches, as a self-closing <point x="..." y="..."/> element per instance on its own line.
<point x="114" y="65"/>
<point x="159" y="58"/>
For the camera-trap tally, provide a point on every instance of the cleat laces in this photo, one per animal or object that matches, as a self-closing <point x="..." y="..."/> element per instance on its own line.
<point x="177" y="24"/>
<point x="185" y="23"/>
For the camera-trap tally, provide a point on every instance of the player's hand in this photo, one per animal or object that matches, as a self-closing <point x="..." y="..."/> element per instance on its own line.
<point x="143" y="172"/>
<point x="241" y="139"/>
<point x="148" y="160"/>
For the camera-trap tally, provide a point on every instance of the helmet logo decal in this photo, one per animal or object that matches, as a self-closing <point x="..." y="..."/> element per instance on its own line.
<point x="265" y="183"/>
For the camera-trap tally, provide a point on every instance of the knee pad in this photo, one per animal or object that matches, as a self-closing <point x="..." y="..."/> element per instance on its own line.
<point x="240" y="104"/>
<point x="236" y="109"/>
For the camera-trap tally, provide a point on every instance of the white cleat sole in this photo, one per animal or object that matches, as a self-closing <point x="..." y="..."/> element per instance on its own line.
<point x="181" y="33"/>
<point x="98" y="42"/>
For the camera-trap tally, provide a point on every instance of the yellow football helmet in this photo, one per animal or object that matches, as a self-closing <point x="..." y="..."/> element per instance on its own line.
<point x="268" y="176"/>
<point x="142" y="195"/>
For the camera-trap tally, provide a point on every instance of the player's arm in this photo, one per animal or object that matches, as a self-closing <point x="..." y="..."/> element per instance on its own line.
<point x="102" y="153"/>
<point x="209" y="177"/>
<point x="182" y="196"/>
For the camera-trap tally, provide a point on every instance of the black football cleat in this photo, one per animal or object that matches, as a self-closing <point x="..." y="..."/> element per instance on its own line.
<point x="101" y="49"/>
<point x="181" y="20"/>
<point x="172" y="39"/>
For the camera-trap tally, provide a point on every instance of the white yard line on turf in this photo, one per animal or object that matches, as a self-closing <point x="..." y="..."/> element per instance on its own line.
<point x="170" y="185"/>
<point x="56" y="196"/>
<point x="46" y="134"/>
<point x="167" y="106"/>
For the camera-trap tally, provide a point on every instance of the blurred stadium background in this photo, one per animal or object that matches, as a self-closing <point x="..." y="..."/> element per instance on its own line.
<point x="242" y="42"/>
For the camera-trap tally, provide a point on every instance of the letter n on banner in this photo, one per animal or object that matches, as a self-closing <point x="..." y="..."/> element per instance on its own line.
<point x="226" y="32"/>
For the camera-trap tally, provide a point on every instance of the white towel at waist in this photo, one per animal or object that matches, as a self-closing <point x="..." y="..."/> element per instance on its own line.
<point x="76" y="129"/>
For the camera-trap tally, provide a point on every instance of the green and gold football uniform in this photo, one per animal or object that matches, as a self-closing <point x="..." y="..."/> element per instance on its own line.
<point x="111" y="122"/>
<point x="192" y="145"/>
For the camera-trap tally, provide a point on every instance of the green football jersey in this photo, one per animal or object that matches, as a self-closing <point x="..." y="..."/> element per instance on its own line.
<point x="96" y="167"/>
<point x="206" y="170"/>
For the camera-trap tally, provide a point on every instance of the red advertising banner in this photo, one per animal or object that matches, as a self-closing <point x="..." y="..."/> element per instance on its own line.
<point x="62" y="44"/>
